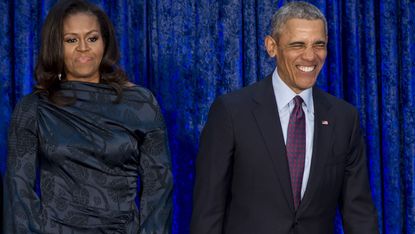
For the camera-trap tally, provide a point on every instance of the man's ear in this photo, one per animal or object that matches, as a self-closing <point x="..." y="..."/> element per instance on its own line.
<point x="271" y="46"/>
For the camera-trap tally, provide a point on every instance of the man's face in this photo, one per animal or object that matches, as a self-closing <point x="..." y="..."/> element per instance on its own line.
<point x="300" y="51"/>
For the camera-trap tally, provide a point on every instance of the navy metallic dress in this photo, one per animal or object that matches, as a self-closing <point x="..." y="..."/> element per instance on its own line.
<point x="90" y="157"/>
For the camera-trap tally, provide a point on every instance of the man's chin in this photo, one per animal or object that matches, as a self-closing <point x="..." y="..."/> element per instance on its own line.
<point x="306" y="82"/>
<point x="304" y="87"/>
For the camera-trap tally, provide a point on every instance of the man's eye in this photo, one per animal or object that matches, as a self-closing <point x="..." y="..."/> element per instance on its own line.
<point x="297" y="46"/>
<point x="93" y="39"/>
<point x="70" y="40"/>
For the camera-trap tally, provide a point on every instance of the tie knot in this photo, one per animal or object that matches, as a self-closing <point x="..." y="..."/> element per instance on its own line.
<point x="298" y="100"/>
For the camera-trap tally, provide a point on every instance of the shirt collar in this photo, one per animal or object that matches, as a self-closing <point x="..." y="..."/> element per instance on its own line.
<point x="284" y="94"/>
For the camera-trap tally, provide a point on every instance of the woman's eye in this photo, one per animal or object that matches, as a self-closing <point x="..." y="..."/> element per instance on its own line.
<point x="93" y="39"/>
<point x="70" y="40"/>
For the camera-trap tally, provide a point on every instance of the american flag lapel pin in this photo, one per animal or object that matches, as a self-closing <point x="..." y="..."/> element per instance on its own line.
<point x="325" y="122"/>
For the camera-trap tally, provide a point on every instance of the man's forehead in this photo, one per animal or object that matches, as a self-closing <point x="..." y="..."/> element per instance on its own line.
<point x="303" y="28"/>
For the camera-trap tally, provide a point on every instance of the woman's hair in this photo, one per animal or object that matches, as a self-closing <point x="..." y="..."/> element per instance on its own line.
<point x="50" y="64"/>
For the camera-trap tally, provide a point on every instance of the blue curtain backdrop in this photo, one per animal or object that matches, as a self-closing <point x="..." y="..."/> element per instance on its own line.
<point x="190" y="51"/>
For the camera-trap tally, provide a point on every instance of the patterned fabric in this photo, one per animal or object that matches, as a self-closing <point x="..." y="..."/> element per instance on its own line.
<point x="90" y="155"/>
<point x="296" y="148"/>
<point x="189" y="52"/>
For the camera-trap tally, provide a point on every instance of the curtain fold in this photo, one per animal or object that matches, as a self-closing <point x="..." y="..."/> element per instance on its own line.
<point x="371" y="121"/>
<point x="390" y="115"/>
<point x="6" y="86"/>
<point x="407" y="106"/>
<point x="188" y="52"/>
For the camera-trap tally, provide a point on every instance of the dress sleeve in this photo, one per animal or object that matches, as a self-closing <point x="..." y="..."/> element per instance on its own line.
<point x="21" y="203"/>
<point x="156" y="178"/>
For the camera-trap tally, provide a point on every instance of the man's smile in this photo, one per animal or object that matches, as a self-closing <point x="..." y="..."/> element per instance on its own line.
<point x="306" y="68"/>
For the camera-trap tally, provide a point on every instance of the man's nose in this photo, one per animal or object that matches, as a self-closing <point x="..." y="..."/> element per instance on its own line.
<point x="309" y="54"/>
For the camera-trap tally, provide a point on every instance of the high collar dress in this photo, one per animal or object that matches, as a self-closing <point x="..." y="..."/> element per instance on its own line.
<point x="91" y="160"/>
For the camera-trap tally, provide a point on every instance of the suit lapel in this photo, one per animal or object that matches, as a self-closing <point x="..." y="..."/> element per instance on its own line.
<point x="323" y="129"/>
<point x="268" y="121"/>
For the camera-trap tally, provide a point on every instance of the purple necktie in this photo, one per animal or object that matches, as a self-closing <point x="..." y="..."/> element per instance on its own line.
<point x="296" y="148"/>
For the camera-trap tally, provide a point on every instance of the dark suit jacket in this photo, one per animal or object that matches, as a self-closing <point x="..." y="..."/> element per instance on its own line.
<point x="242" y="176"/>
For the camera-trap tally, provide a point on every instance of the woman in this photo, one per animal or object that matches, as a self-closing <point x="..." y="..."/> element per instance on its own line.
<point x="89" y="134"/>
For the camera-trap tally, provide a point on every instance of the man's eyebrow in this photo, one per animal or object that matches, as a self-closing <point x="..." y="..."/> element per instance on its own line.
<point x="320" y="42"/>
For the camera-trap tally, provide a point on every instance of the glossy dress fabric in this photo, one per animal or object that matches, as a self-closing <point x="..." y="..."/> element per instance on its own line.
<point x="90" y="155"/>
<point x="189" y="52"/>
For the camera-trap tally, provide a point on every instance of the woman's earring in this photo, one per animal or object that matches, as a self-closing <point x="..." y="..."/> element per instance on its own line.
<point x="59" y="76"/>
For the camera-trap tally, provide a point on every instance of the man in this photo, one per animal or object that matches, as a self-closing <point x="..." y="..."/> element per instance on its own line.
<point x="281" y="155"/>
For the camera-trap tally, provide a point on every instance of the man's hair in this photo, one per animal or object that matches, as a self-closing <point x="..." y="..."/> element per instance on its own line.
<point x="50" y="64"/>
<point x="295" y="10"/>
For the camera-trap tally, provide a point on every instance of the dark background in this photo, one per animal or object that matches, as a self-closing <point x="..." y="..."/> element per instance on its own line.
<point x="189" y="52"/>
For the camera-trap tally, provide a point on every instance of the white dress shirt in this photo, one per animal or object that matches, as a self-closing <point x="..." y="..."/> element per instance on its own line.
<point x="284" y="97"/>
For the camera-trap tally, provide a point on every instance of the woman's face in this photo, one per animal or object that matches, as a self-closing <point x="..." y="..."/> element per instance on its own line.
<point x="83" y="47"/>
